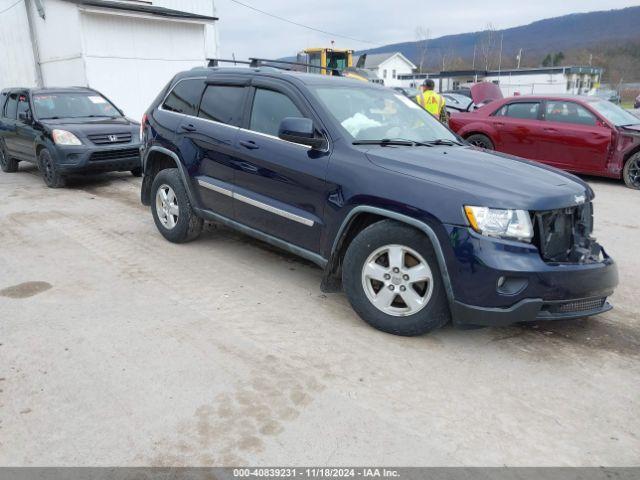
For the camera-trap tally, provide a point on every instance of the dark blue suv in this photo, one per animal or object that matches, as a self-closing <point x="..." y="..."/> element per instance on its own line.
<point x="415" y="225"/>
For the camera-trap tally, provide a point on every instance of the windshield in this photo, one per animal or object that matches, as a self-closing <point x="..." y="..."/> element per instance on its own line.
<point x="615" y="114"/>
<point x="377" y="114"/>
<point x="72" y="105"/>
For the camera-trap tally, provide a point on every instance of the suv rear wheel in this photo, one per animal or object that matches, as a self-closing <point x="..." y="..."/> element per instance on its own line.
<point x="392" y="279"/>
<point x="631" y="172"/>
<point x="171" y="209"/>
<point x="8" y="165"/>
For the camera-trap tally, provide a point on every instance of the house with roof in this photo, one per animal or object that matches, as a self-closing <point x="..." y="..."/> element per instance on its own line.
<point x="127" y="49"/>
<point x="388" y="66"/>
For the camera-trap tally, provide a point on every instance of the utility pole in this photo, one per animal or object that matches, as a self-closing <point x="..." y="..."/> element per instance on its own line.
<point x="474" y="56"/>
<point x="500" y="57"/>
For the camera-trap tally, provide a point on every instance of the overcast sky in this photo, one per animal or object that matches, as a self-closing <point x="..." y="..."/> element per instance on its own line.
<point x="251" y="34"/>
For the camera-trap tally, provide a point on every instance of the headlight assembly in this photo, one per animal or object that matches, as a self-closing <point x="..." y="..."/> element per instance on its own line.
<point x="494" y="222"/>
<point x="62" y="137"/>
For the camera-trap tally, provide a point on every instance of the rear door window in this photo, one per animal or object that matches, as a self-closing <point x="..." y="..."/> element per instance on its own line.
<point x="223" y="104"/>
<point x="568" y="112"/>
<point x="23" y="104"/>
<point x="185" y="97"/>
<point x="11" y="107"/>
<point x="269" y="109"/>
<point x="521" y="110"/>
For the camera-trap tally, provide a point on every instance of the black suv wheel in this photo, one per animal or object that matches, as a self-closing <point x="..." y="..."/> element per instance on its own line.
<point x="7" y="164"/>
<point x="392" y="279"/>
<point x="50" y="172"/>
<point x="171" y="209"/>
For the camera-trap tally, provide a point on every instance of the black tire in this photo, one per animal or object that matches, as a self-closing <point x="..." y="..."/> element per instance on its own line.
<point x="631" y="172"/>
<point x="188" y="226"/>
<point x="480" y="140"/>
<point x="8" y="165"/>
<point x="388" y="232"/>
<point x="50" y="173"/>
<point x="137" y="172"/>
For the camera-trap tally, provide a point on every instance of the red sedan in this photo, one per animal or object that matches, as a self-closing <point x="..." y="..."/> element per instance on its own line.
<point x="579" y="134"/>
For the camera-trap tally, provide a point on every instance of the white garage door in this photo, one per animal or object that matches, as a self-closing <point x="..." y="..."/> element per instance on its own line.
<point x="130" y="59"/>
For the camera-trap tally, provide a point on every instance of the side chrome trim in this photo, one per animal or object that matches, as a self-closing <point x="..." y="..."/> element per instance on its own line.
<point x="289" y="247"/>
<point x="277" y="211"/>
<point x="215" y="188"/>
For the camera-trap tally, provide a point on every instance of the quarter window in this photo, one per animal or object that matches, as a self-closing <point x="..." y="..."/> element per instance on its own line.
<point x="269" y="109"/>
<point x="185" y="97"/>
<point x="522" y="110"/>
<point x="222" y="103"/>
<point x="568" y="112"/>
<point x="11" y="108"/>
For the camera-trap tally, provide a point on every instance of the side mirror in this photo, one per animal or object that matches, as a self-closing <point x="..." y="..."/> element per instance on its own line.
<point x="25" y="117"/>
<point x="299" y="130"/>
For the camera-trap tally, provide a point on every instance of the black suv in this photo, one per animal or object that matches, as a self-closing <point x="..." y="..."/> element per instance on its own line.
<point x="66" y="131"/>
<point x="416" y="226"/>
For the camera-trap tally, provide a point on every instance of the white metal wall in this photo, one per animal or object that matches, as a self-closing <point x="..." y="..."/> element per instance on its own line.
<point x="17" y="67"/>
<point x="131" y="59"/>
<point x="200" y="7"/>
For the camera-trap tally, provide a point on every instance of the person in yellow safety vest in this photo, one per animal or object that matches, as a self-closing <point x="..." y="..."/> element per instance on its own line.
<point x="431" y="101"/>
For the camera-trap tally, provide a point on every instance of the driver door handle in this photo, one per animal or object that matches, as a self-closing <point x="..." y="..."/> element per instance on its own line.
<point x="188" y="127"/>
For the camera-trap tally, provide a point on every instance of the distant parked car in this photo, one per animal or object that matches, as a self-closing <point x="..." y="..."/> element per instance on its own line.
<point x="408" y="92"/>
<point x="578" y="134"/>
<point x="610" y="95"/>
<point x="66" y="131"/>
<point x="636" y="104"/>
<point x="457" y="102"/>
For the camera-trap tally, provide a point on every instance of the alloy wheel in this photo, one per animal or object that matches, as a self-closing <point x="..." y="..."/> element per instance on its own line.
<point x="397" y="280"/>
<point x="634" y="172"/>
<point x="167" y="207"/>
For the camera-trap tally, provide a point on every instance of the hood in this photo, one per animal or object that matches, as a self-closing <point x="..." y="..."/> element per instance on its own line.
<point x="486" y="179"/>
<point x="93" y="125"/>
<point x="485" y="92"/>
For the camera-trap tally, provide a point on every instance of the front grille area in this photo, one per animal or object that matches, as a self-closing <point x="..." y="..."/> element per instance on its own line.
<point x="110" y="138"/>
<point x="577" y="306"/>
<point x="115" y="155"/>
<point x="564" y="235"/>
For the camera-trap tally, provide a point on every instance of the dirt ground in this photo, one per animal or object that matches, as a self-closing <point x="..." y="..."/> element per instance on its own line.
<point x="119" y="348"/>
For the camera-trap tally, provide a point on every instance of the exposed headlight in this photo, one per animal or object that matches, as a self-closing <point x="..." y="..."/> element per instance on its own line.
<point x="62" y="137"/>
<point x="494" y="222"/>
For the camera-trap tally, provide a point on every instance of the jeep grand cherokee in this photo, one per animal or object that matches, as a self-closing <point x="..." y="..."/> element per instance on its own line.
<point x="415" y="225"/>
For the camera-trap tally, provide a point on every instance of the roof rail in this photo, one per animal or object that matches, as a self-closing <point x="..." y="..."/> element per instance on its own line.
<point x="265" y="62"/>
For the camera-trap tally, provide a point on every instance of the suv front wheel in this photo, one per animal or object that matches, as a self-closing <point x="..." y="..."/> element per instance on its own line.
<point x="172" y="210"/>
<point x="392" y="279"/>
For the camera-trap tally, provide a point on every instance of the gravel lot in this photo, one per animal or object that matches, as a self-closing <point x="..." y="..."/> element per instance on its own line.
<point x="119" y="348"/>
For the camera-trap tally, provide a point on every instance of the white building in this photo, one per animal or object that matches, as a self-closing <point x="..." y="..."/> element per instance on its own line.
<point x="388" y="66"/>
<point x="127" y="49"/>
<point x="524" y="81"/>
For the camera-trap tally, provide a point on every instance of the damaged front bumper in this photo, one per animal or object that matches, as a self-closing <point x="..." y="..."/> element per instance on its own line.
<point x="499" y="282"/>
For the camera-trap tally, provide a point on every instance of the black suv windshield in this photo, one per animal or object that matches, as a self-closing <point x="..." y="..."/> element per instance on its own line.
<point x="376" y="114"/>
<point x="72" y="105"/>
